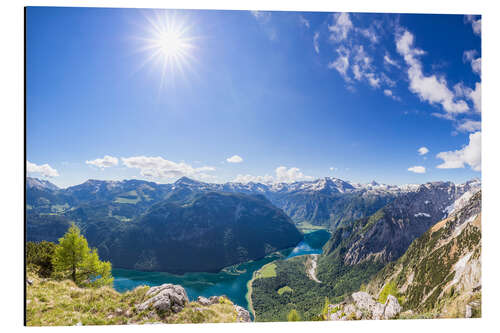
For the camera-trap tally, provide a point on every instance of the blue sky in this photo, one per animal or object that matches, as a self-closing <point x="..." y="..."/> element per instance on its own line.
<point x="252" y="96"/>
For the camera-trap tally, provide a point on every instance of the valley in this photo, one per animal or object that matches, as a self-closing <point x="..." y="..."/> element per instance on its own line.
<point x="269" y="248"/>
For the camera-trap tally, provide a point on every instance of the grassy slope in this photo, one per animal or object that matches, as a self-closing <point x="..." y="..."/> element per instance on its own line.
<point x="62" y="303"/>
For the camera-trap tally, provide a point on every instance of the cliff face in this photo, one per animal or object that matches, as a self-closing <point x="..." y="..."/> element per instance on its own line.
<point x="386" y="235"/>
<point x="440" y="273"/>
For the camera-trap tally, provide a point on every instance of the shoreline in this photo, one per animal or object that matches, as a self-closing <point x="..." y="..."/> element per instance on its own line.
<point x="248" y="295"/>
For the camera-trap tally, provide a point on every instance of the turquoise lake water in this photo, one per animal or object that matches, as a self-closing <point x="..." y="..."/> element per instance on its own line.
<point x="231" y="281"/>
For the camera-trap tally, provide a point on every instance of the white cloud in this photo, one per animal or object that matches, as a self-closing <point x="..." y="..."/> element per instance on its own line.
<point x="45" y="170"/>
<point x="289" y="175"/>
<point x="469" y="126"/>
<point x="283" y="175"/>
<point x="373" y="80"/>
<point x="423" y="150"/>
<point x="254" y="179"/>
<point x="105" y="162"/>
<point x="474" y="95"/>
<point x="417" y="169"/>
<point x="468" y="155"/>
<point x="333" y="169"/>
<point x="476" y="23"/>
<point x="316" y="42"/>
<point x="234" y="159"/>
<point x="390" y="94"/>
<point x="390" y="61"/>
<point x="341" y="27"/>
<point x="470" y="56"/>
<point x="160" y="168"/>
<point x="431" y="88"/>
<point x="304" y="21"/>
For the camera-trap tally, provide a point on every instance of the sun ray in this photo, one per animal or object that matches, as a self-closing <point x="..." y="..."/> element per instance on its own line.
<point x="168" y="43"/>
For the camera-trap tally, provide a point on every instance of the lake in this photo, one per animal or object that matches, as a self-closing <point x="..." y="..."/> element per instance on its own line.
<point x="231" y="281"/>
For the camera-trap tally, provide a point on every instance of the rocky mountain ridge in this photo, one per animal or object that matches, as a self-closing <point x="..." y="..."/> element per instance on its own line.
<point x="440" y="273"/>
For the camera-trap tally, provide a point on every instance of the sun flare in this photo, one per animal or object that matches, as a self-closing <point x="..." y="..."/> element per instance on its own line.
<point x="169" y="44"/>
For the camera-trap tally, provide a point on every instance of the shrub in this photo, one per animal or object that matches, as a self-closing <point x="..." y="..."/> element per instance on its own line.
<point x="293" y="315"/>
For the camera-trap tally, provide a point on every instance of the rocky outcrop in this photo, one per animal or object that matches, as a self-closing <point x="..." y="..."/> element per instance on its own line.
<point x="165" y="298"/>
<point x="242" y="315"/>
<point x="361" y="305"/>
<point x="209" y="301"/>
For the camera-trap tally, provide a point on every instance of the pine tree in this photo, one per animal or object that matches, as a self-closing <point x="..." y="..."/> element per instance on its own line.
<point x="74" y="259"/>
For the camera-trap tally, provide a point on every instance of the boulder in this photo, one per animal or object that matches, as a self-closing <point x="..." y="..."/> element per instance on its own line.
<point x="167" y="297"/>
<point x="204" y="301"/>
<point x="392" y="307"/>
<point x="363" y="300"/>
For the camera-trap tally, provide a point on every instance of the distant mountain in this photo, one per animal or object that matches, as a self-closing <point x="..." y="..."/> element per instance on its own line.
<point x="213" y="231"/>
<point x="40" y="184"/>
<point x="327" y="202"/>
<point x="440" y="273"/>
<point x="323" y="202"/>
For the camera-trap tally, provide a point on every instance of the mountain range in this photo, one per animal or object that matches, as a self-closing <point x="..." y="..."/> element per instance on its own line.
<point x="325" y="202"/>
<point x="371" y="224"/>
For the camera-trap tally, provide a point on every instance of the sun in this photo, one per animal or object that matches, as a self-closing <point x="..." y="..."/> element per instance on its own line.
<point x="168" y="43"/>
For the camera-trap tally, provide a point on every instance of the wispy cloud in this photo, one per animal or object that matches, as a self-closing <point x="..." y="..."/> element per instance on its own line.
<point x="45" y="170"/>
<point x="304" y="21"/>
<point x="260" y="16"/>
<point x="264" y="19"/>
<point x="341" y="64"/>
<point x="341" y="27"/>
<point x="316" y="42"/>
<point x="353" y="62"/>
<point x="467" y="155"/>
<point x="388" y="60"/>
<point x="368" y="33"/>
<point x="105" y="162"/>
